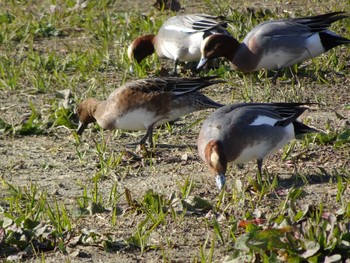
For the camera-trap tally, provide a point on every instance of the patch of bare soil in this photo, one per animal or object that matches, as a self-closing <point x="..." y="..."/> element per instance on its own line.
<point x="51" y="162"/>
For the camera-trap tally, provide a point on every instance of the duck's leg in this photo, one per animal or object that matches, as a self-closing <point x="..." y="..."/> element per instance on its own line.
<point x="260" y="161"/>
<point x="275" y="77"/>
<point x="174" y="71"/>
<point x="240" y="165"/>
<point x="279" y="71"/>
<point x="148" y="135"/>
<point x="294" y="75"/>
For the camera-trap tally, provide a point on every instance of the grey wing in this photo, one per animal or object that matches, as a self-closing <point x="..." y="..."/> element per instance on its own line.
<point x="279" y="28"/>
<point x="272" y="35"/>
<point x="194" y="23"/>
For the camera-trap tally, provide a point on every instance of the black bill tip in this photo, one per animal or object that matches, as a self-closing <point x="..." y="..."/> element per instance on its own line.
<point x="81" y="128"/>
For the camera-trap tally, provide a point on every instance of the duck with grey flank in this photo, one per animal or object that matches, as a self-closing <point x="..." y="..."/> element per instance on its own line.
<point x="276" y="44"/>
<point x="244" y="132"/>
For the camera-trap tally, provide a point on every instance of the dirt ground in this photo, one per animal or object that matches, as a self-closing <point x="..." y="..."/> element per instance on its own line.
<point x="51" y="162"/>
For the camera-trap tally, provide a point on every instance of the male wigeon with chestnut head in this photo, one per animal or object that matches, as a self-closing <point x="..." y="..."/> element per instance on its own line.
<point x="147" y="103"/>
<point x="276" y="44"/>
<point x="244" y="132"/>
<point x="179" y="38"/>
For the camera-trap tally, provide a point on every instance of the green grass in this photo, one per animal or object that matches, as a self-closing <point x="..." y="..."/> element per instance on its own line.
<point x="83" y="49"/>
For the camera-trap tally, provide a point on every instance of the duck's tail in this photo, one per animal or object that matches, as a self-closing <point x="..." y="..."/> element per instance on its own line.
<point x="330" y="40"/>
<point x="301" y="128"/>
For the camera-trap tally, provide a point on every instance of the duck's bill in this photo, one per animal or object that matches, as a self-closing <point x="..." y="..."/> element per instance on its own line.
<point x="202" y="62"/>
<point x="81" y="128"/>
<point x="220" y="181"/>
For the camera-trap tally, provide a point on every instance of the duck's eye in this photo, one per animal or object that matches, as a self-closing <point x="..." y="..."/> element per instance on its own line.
<point x="209" y="46"/>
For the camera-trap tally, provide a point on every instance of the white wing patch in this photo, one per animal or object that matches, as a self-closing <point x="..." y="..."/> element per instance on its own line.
<point x="180" y="29"/>
<point x="260" y="120"/>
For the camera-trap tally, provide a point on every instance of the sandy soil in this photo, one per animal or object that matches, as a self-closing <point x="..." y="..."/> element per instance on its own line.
<point x="51" y="162"/>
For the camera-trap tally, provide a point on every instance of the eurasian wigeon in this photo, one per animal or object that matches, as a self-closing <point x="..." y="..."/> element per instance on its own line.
<point x="147" y="103"/>
<point x="244" y="132"/>
<point x="179" y="38"/>
<point x="276" y="44"/>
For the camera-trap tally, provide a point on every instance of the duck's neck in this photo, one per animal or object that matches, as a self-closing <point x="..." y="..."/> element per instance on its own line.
<point x="230" y="48"/>
<point x="245" y="59"/>
<point x="143" y="47"/>
<point x="215" y="157"/>
<point x="100" y="113"/>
